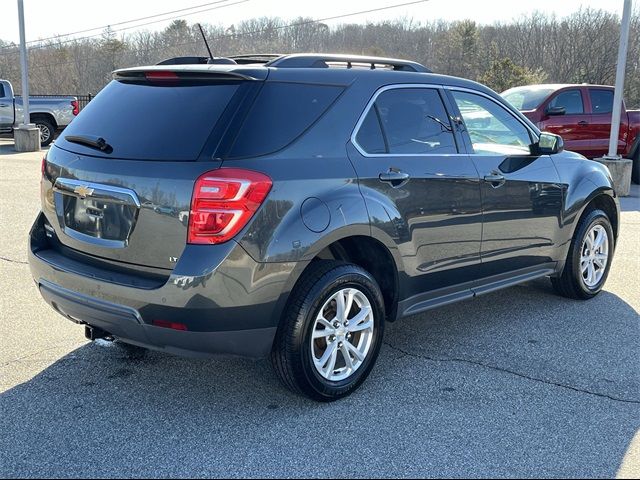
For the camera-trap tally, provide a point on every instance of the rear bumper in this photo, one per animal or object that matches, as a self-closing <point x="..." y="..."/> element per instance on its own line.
<point x="126" y="324"/>
<point x="229" y="304"/>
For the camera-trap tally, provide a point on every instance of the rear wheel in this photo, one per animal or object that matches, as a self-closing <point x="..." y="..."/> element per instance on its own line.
<point x="46" y="130"/>
<point x="589" y="258"/>
<point x="331" y="333"/>
<point x="635" y="172"/>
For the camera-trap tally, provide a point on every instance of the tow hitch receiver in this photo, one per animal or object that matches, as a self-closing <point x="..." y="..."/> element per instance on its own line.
<point x="95" y="333"/>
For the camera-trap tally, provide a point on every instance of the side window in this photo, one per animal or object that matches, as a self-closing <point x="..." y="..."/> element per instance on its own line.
<point x="601" y="100"/>
<point x="413" y="121"/>
<point x="493" y="129"/>
<point x="281" y="113"/>
<point x="1" y="91"/>
<point x="571" y="100"/>
<point x="369" y="135"/>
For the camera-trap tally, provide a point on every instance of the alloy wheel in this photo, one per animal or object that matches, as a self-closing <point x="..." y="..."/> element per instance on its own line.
<point x="342" y="334"/>
<point x="44" y="132"/>
<point x="594" y="255"/>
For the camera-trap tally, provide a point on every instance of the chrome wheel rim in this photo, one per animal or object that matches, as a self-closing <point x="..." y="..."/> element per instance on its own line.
<point x="342" y="334"/>
<point x="44" y="132"/>
<point x="594" y="256"/>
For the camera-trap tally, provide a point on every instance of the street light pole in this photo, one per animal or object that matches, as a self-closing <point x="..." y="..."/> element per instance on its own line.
<point x="26" y="136"/>
<point x="617" y="96"/>
<point x="23" y="65"/>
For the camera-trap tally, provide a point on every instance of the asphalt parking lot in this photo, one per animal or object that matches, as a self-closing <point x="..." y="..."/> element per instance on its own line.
<point x="518" y="383"/>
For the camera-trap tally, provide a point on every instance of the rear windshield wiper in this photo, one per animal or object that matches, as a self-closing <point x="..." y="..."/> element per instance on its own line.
<point x="98" y="143"/>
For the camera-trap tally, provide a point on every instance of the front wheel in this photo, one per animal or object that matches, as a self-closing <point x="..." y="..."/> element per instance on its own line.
<point x="331" y="333"/>
<point x="589" y="258"/>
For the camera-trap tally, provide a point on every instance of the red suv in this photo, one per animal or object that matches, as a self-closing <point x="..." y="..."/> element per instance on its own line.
<point x="581" y="114"/>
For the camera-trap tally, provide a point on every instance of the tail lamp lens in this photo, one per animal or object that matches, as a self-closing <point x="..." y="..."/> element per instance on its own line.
<point x="74" y="104"/>
<point x="223" y="202"/>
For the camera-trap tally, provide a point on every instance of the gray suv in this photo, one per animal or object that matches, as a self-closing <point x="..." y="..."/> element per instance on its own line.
<point x="289" y="206"/>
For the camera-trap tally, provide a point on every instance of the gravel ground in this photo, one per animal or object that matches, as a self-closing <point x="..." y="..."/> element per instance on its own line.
<point x="518" y="383"/>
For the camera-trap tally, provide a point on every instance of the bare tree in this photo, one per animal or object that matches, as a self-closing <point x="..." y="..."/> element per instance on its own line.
<point x="540" y="47"/>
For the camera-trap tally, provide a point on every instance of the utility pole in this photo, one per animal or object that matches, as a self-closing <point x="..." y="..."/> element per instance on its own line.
<point x="26" y="136"/>
<point x="617" y="96"/>
<point x="620" y="168"/>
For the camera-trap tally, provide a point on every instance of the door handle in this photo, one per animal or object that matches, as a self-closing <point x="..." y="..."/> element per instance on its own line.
<point x="583" y="123"/>
<point x="394" y="177"/>
<point x="496" y="179"/>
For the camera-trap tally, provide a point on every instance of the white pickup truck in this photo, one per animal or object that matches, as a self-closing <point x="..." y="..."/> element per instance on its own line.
<point x="48" y="113"/>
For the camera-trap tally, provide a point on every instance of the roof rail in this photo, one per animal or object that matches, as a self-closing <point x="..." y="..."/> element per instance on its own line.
<point x="321" y="60"/>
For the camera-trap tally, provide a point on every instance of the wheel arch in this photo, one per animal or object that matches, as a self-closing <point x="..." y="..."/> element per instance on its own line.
<point x="45" y="115"/>
<point x="376" y="256"/>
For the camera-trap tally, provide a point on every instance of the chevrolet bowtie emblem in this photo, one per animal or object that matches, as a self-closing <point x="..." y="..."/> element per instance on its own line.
<point x="83" y="191"/>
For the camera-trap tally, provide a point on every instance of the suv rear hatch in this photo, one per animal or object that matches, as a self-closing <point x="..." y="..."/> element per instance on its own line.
<point x="119" y="180"/>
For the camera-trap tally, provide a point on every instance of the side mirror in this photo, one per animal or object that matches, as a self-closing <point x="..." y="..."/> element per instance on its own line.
<point x="548" y="144"/>
<point x="555" y="111"/>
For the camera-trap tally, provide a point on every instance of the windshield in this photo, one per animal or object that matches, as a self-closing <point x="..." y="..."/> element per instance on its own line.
<point x="527" y="98"/>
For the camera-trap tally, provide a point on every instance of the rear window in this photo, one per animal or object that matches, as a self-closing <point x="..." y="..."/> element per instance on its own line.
<point x="281" y="113"/>
<point x="601" y="100"/>
<point x="152" y="121"/>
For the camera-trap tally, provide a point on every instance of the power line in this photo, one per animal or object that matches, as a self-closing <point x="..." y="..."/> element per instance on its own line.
<point x="125" y="22"/>
<point x="262" y="30"/>
<point x="132" y="26"/>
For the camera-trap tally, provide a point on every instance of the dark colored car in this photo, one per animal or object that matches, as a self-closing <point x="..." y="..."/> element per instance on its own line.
<point x="581" y="114"/>
<point x="322" y="202"/>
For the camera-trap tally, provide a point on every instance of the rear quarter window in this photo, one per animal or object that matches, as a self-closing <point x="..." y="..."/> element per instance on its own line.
<point x="281" y="113"/>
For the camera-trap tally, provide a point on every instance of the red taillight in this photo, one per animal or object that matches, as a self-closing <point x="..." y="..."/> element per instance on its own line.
<point x="171" y="325"/>
<point x="43" y="165"/>
<point x="74" y="104"/>
<point x="161" y="76"/>
<point x="223" y="201"/>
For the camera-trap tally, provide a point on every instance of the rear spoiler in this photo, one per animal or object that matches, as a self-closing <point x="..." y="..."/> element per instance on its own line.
<point x="212" y="74"/>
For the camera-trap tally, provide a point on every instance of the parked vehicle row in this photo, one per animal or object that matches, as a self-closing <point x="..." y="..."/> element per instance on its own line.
<point x="322" y="202"/>
<point x="581" y="114"/>
<point x="49" y="114"/>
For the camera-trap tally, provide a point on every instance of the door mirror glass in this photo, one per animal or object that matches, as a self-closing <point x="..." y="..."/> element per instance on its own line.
<point x="554" y="111"/>
<point x="548" y="144"/>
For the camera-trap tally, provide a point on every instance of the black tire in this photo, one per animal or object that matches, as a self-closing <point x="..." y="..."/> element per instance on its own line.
<point x="47" y="130"/>
<point x="571" y="283"/>
<point x="635" y="170"/>
<point x="292" y="355"/>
